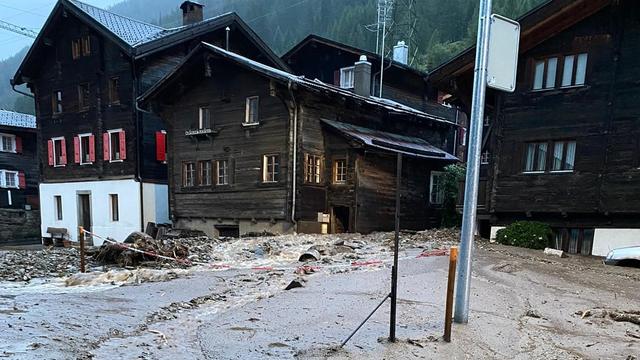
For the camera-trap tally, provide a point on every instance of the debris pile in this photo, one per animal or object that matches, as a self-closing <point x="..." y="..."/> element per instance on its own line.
<point x="23" y="265"/>
<point x="632" y="316"/>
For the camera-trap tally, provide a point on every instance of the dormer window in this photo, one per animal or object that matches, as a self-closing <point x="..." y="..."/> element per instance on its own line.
<point x="347" y="77"/>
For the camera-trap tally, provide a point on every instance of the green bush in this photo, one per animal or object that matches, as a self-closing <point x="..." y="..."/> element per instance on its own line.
<point x="453" y="175"/>
<point x="527" y="234"/>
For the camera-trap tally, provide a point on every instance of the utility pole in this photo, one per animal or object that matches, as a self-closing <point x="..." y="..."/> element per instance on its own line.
<point x="463" y="283"/>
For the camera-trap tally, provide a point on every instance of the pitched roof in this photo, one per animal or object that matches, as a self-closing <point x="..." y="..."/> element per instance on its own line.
<point x="138" y="38"/>
<point x="16" y="119"/>
<point x="284" y="76"/>
<point x="382" y="140"/>
<point x="131" y="31"/>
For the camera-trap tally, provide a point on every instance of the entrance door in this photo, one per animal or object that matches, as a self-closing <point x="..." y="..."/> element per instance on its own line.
<point x="84" y="211"/>
<point x="340" y="219"/>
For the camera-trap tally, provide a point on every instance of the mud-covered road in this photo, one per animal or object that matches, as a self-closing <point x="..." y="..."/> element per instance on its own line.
<point x="523" y="306"/>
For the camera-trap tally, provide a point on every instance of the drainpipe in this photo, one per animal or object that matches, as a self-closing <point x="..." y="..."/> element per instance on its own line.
<point x="227" y="30"/>
<point x="295" y="155"/>
<point x="138" y="176"/>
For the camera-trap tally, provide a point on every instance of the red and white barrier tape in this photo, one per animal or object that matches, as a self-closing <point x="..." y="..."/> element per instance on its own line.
<point x="303" y="268"/>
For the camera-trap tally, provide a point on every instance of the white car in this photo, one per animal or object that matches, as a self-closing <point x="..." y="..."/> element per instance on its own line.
<point x="625" y="256"/>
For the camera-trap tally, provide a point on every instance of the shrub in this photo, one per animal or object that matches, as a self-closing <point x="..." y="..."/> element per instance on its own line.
<point x="453" y="175"/>
<point x="527" y="234"/>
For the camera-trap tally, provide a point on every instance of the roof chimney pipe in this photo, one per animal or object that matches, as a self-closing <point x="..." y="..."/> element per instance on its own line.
<point x="401" y="53"/>
<point x="192" y="12"/>
<point x="362" y="77"/>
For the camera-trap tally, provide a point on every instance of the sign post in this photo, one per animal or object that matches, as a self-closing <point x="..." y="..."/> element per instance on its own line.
<point x="494" y="67"/>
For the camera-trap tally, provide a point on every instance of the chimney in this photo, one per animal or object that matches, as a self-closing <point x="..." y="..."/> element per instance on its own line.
<point x="191" y="12"/>
<point x="401" y="53"/>
<point x="362" y="77"/>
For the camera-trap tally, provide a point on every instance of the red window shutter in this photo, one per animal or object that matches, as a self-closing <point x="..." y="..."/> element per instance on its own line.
<point x="105" y="146"/>
<point x="161" y="147"/>
<point x="92" y="148"/>
<point x="63" y="156"/>
<point x="336" y="78"/>
<point x="50" y="151"/>
<point x="123" y="146"/>
<point x="76" y="149"/>
<point x="18" y="144"/>
<point x="22" y="182"/>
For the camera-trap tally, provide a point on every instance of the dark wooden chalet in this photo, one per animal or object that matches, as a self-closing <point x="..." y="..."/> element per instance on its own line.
<point x="104" y="160"/>
<point x="19" y="176"/>
<point x="254" y="148"/>
<point x="563" y="148"/>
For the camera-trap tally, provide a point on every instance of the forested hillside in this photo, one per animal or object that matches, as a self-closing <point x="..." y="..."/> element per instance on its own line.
<point x="442" y="28"/>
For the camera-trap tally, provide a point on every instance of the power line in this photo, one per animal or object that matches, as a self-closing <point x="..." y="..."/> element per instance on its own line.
<point x="276" y="11"/>
<point x="23" y="10"/>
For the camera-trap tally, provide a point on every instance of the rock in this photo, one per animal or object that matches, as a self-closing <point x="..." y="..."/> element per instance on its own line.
<point x="294" y="284"/>
<point x="310" y="255"/>
<point x="532" y="314"/>
<point x="137" y="236"/>
<point x="341" y="249"/>
<point x="554" y="252"/>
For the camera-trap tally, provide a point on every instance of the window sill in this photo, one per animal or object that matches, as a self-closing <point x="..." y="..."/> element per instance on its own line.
<point x="250" y="125"/>
<point x="116" y="161"/>
<point x="87" y="163"/>
<point x="9" y="151"/>
<point x="533" y="172"/>
<point x="59" y="166"/>
<point x="558" y="88"/>
<point x="561" y="171"/>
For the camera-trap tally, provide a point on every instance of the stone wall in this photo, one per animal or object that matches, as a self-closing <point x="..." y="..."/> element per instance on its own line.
<point x="19" y="226"/>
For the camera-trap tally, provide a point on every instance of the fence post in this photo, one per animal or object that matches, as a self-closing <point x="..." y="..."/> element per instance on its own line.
<point x="81" y="238"/>
<point x="453" y="259"/>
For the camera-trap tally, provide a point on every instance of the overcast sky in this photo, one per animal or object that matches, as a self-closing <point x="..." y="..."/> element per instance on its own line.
<point x="30" y="14"/>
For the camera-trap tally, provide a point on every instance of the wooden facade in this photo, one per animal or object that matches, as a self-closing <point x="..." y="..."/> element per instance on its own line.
<point x="19" y="172"/>
<point x="299" y="122"/>
<point x="585" y="101"/>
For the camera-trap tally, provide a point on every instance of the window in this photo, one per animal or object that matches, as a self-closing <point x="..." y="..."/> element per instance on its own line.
<point x="9" y="179"/>
<point x="222" y="172"/>
<point x="251" y="111"/>
<point x="115" y="210"/>
<point x="83" y="96"/>
<point x="86" y="45"/>
<point x="436" y="188"/>
<point x="545" y="73"/>
<point x="340" y="171"/>
<point x="56" y="102"/>
<point x="564" y="154"/>
<point x="204" y="120"/>
<point x="84" y="145"/>
<point x="115" y="145"/>
<point x="57" y="200"/>
<point x="484" y="159"/>
<point x="347" y="77"/>
<point x="204" y="173"/>
<point x="270" y="168"/>
<point x="574" y="241"/>
<point x="7" y="143"/>
<point x="57" y="152"/>
<point x="188" y="174"/>
<point x="114" y="90"/>
<point x="574" y="70"/>
<point x="536" y="157"/>
<point x="76" y="48"/>
<point x="312" y="169"/>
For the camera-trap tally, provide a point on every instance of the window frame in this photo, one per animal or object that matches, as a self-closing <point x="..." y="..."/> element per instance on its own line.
<point x="313" y="169"/>
<point x="549" y="158"/>
<point x="335" y="173"/>
<point x="559" y="72"/>
<point x="81" y="148"/>
<point x="4" y="174"/>
<point x="85" y="47"/>
<point x="14" y="148"/>
<point x="440" y="195"/>
<point x="202" y="176"/>
<point x="347" y="70"/>
<point x="114" y="208"/>
<point x="565" y="153"/>
<point x="58" y="208"/>
<point x="111" y="150"/>
<point x="76" y="48"/>
<point x="114" y="90"/>
<point x="275" y="174"/>
<point x="201" y="121"/>
<point x="56" y="104"/>
<point x="247" y="111"/>
<point x="55" y="154"/>
<point x="185" y="174"/>
<point x="225" y="175"/>
<point x="84" y="105"/>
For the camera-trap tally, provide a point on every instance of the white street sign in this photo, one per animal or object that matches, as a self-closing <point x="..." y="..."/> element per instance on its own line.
<point x="504" y="40"/>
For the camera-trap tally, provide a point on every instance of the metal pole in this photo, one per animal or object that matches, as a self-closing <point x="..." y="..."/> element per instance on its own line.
<point x="365" y="320"/>
<point x="81" y="238"/>
<point x="396" y="243"/>
<point x="451" y="280"/>
<point x="463" y="285"/>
